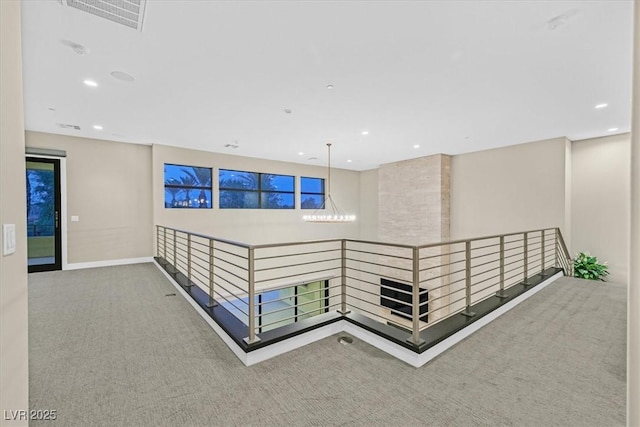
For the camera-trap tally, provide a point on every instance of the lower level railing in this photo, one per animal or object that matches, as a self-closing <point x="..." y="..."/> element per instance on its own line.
<point x="409" y="288"/>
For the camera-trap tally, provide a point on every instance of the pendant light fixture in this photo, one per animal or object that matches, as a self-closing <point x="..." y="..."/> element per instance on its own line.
<point x="328" y="212"/>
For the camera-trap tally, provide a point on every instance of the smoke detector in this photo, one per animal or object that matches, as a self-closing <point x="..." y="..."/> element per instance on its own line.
<point x="76" y="47"/>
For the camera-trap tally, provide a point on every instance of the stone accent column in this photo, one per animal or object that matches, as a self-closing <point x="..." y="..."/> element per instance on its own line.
<point x="414" y="205"/>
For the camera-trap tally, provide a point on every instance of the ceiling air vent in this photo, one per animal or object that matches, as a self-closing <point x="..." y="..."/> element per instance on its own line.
<point x="67" y="126"/>
<point x="129" y="13"/>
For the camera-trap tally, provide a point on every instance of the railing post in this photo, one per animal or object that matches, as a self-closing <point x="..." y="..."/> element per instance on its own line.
<point x="157" y="241"/>
<point x="415" y="299"/>
<point x="467" y="253"/>
<point x="164" y="243"/>
<point x="500" y="293"/>
<point x="212" y="302"/>
<point x="542" y="274"/>
<point x="189" y="259"/>
<point x="343" y="278"/>
<point x="252" y="302"/>
<point x="556" y="247"/>
<point x="175" y="249"/>
<point x="525" y="281"/>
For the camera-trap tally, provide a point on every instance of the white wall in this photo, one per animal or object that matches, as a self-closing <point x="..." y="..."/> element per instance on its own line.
<point x="516" y="188"/>
<point x="600" y="201"/>
<point x="14" y="342"/>
<point x="254" y="226"/>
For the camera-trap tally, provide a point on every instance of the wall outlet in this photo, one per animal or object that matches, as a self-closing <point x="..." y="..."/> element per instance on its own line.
<point x="75" y="218"/>
<point x="8" y="239"/>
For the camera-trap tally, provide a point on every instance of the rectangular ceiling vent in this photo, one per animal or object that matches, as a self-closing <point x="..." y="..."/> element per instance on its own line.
<point x="67" y="126"/>
<point x="129" y="13"/>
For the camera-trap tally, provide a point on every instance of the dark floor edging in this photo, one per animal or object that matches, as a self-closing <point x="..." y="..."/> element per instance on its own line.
<point x="432" y="336"/>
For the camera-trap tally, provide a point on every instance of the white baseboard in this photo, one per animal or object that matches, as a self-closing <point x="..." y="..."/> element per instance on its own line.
<point x="395" y="350"/>
<point x="107" y="263"/>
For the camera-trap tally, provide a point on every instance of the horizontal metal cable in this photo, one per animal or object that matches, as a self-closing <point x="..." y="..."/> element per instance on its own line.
<point x="379" y="254"/>
<point x="295" y="275"/>
<point x="393" y="311"/>
<point x="220" y="296"/>
<point x="444" y="275"/>
<point x="322" y="290"/>
<point x="217" y="276"/>
<point x="441" y="255"/>
<point x="448" y="295"/>
<point x="222" y="260"/>
<point x="378" y="284"/>
<point x="492" y="285"/>
<point x="281" y="245"/>
<point x="379" y="265"/>
<point x="297" y="265"/>
<point x="442" y="265"/>
<point x="218" y="267"/>
<point x="485" y="246"/>
<point x="473" y="267"/>
<point x="484" y="255"/>
<point x="378" y="315"/>
<point x="296" y="254"/>
<point x="485" y="279"/>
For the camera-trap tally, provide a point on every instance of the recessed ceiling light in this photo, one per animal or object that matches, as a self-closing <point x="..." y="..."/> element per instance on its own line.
<point x="612" y="129"/>
<point x="329" y="86"/>
<point x="97" y="127"/>
<point x="365" y="132"/>
<point x="349" y="161"/>
<point x="301" y="154"/>
<point x="91" y="83"/>
<point x="416" y="146"/>
<point x="601" y="105"/>
<point x="287" y="110"/>
<point x="52" y="109"/>
<point x="121" y="75"/>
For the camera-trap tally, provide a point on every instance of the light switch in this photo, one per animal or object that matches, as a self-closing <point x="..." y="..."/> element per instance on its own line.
<point x="75" y="218"/>
<point x="8" y="239"/>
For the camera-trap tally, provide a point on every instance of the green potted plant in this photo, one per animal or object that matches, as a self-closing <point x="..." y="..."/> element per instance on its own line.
<point x="586" y="266"/>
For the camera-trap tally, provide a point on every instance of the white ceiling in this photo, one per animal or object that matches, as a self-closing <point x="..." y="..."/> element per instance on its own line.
<point x="451" y="77"/>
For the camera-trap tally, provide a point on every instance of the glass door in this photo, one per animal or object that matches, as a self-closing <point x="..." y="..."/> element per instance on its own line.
<point x="44" y="243"/>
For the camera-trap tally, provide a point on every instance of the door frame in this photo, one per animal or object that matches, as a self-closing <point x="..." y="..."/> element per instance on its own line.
<point x="61" y="264"/>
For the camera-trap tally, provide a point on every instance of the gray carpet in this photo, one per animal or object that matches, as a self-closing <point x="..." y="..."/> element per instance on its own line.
<point x="108" y="348"/>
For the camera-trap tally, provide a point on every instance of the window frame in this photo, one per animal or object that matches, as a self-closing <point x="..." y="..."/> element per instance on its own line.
<point x="322" y="195"/>
<point x="259" y="191"/>
<point x="196" y="186"/>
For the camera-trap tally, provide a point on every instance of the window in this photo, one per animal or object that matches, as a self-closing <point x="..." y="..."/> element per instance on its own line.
<point x="252" y="190"/>
<point x="187" y="186"/>
<point x="311" y="193"/>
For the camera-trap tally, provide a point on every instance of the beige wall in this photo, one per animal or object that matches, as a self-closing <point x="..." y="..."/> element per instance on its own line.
<point x="14" y="353"/>
<point x="600" y="201"/>
<point x="633" y="310"/>
<point x="253" y="226"/>
<point x="109" y="189"/>
<point x="516" y="188"/>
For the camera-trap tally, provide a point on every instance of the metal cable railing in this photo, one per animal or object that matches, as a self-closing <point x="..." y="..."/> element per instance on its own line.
<point x="411" y="287"/>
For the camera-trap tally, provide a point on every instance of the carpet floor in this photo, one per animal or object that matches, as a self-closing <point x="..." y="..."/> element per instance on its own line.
<point x="108" y="347"/>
